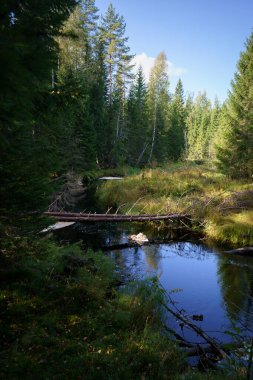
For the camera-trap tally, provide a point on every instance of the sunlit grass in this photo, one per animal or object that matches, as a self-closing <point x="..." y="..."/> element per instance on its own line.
<point x="209" y="197"/>
<point x="234" y="228"/>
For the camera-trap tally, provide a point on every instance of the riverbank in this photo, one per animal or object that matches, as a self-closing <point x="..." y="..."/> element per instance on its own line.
<point x="64" y="316"/>
<point x="220" y="208"/>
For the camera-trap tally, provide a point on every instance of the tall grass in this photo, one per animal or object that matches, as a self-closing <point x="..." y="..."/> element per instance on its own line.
<point x="200" y="191"/>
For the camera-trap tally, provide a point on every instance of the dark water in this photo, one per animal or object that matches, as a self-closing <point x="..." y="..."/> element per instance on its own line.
<point x="200" y="279"/>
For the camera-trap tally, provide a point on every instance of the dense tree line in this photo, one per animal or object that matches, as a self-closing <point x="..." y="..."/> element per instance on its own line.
<point x="70" y="101"/>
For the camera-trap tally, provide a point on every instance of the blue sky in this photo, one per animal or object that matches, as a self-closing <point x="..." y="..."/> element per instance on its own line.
<point x="202" y="39"/>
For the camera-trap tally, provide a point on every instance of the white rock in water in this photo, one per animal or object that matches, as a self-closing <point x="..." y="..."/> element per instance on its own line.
<point x="140" y="238"/>
<point x="57" y="226"/>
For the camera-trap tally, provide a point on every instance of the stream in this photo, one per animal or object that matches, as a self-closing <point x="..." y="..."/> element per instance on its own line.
<point x="201" y="279"/>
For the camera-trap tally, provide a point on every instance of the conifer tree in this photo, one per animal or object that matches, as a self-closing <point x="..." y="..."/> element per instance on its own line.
<point x="176" y="133"/>
<point x="235" y="154"/>
<point x="137" y="118"/>
<point x="116" y="53"/>
<point x="213" y="132"/>
<point x="118" y="67"/>
<point x="198" y="122"/>
<point x="158" y="98"/>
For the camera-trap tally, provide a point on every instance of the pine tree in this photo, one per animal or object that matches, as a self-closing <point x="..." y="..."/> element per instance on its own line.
<point x="213" y="130"/>
<point x="158" y="98"/>
<point x="198" y="123"/>
<point x="176" y="133"/>
<point x="116" y="53"/>
<point x="235" y="153"/>
<point x="137" y="118"/>
<point x="118" y="67"/>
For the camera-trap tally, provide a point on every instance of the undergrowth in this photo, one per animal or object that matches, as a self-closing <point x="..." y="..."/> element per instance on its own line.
<point x="62" y="318"/>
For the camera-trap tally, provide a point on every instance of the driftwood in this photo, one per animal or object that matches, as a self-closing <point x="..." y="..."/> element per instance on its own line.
<point x="82" y="217"/>
<point x="241" y="251"/>
<point x="216" y="348"/>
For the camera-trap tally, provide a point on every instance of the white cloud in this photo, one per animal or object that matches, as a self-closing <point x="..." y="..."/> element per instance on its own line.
<point x="147" y="62"/>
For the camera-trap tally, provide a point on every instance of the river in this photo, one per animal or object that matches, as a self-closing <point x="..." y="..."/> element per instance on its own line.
<point x="200" y="278"/>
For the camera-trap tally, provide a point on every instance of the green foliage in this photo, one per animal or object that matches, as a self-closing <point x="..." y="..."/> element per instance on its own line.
<point x="62" y="317"/>
<point x="177" y="130"/>
<point x="27" y="55"/>
<point x="235" y="153"/>
<point x="137" y="119"/>
<point x="201" y="125"/>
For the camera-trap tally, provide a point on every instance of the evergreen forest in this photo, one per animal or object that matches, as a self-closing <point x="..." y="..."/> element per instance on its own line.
<point x="72" y="101"/>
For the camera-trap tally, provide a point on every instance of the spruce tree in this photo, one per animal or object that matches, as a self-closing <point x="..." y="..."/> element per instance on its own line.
<point x="158" y="98"/>
<point x="235" y="154"/>
<point x="137" y="118"/>
<point x="118" y="65"/>
<point x="176" y="133"/>
<point x="198" y="123"/>
<point x="116" y="53"/>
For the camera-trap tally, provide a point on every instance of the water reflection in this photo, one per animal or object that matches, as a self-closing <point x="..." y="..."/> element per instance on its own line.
<point x="236" y="281"/>
<point x="214" y="284"/>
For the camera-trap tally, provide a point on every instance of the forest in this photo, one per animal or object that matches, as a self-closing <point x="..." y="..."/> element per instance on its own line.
<point x="71" y="101"/>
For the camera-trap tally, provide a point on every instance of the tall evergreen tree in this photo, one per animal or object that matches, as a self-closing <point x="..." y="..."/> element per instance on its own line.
<point x="235" y="154"/>
<point x="214" y="129"/>
<point x="198" y="123"/>
<point x="137" y="118"/>
<point x="118" y="67"/>
<point x="158" y="98"/>
<point x="176" y="133"/>
<point x="116" y="53"/>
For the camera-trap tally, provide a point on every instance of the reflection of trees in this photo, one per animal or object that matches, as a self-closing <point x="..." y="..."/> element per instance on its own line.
<point x="152" y="256"/>
<point x="188" y="250"/>
<point x="236" y="280"/>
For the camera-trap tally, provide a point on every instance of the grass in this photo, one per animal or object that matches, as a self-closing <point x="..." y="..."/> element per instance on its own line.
<point x="219" y="206"/>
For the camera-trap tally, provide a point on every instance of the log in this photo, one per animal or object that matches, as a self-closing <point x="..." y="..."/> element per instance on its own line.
<point x="84" y="217"/>
<point x="241" y="251"/>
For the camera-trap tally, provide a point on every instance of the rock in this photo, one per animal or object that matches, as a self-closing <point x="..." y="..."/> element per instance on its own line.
<point x="140" y="238"/>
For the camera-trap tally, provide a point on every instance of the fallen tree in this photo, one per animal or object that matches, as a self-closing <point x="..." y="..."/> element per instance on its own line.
<point x="84" y="217"/>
